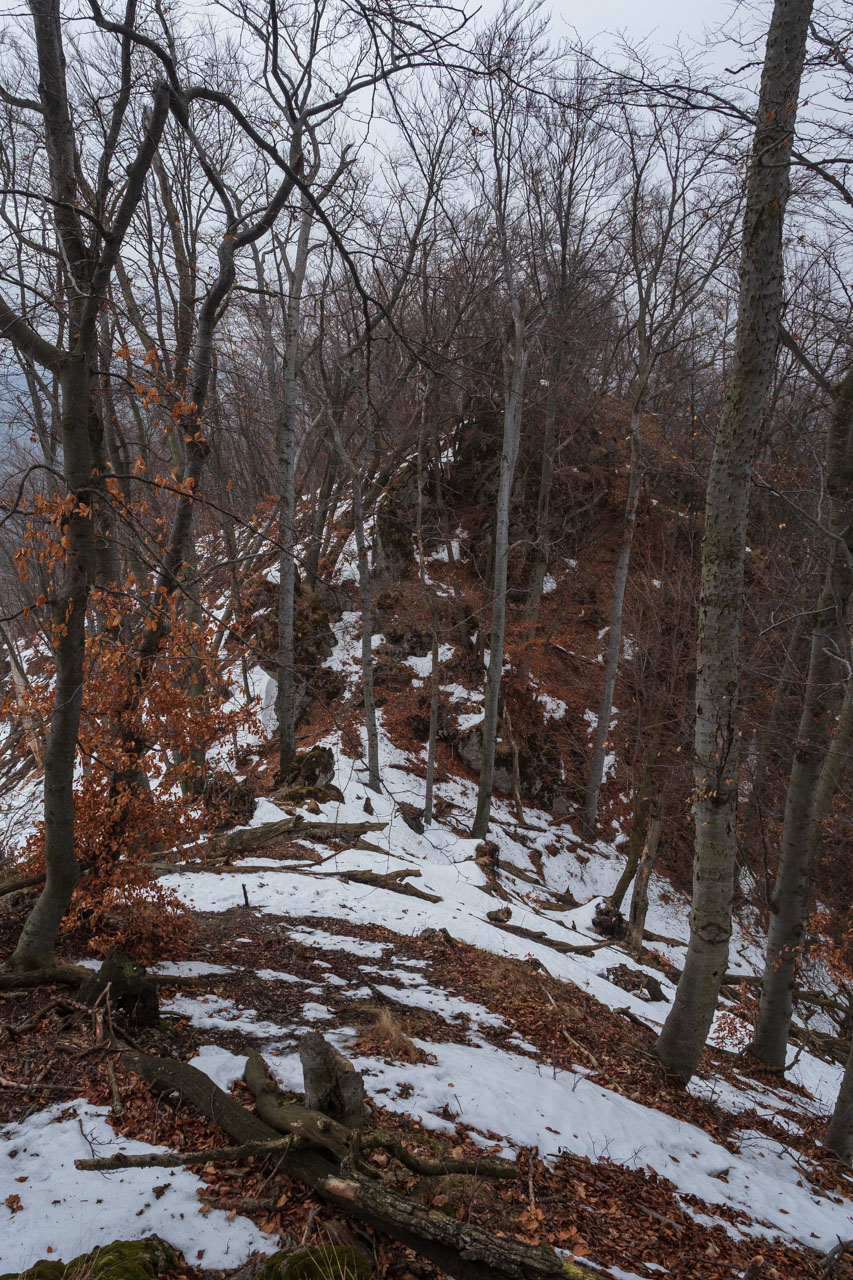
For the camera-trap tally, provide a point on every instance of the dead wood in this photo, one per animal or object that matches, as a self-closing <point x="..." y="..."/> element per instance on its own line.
<point x="174" y="1159"/>
<point x="393" y="880"/>
<point x="385" y="1140"/>
<point x="246" y="839"/>
<point x="556" y="944"/>
<point x="463" y="1251"/>
<point x="332" y="1084"/>
<point x="319" y="1131"/>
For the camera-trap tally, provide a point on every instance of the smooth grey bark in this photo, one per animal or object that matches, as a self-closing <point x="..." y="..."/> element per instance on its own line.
<point x="509" y="456"/>
<point x="839" y="1134"/>
<point x="685" y="1031"/>
<point x="614" y="634"/>
<point x="791" y="897"/>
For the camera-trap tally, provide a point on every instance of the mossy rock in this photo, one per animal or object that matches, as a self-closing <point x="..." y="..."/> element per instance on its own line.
<point x="121" y="1260"/>
<point x="320" y="1262"/>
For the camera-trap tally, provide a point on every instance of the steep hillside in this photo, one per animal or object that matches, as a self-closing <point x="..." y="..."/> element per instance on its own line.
<point x="478" y="987"/>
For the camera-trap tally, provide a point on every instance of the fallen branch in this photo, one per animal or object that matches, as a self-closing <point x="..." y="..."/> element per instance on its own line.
<point x="386" y="1141"/>
<point x="556" y="944"/>
<point x="393" y="880"/>
<point x="835" y="1254"/>
<point x="318" y="1130"/>
<point x="246" y="839"/>
<point x="174" y="1159"/>
<point x="463" y="1251"/>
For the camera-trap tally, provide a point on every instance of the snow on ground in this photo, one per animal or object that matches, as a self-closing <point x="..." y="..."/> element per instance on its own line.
<point x="490" y="1090"/>
<point x="58" y="1212"/>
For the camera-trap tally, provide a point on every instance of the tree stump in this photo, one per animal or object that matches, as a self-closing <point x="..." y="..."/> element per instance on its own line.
<point x="332" y="1084"/>
<point x="131" y="989"/>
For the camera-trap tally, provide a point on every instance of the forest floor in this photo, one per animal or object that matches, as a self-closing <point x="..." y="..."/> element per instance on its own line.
<point x="471" y="1039"/>
<point x="529" y="1037"/>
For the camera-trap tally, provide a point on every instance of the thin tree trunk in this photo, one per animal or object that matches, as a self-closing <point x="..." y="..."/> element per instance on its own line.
<point x="792" y="891"/>
<point x="541" y="546"/>
<point x="640" y="897"/>
<point x="434" y="685"/>
<point x="717" y="721"/>
<point x="771" y="733"/>
<point x="839" y="1135"/>
<point x="509" y="455"/>
<point x="286" y="440"/>
<point x="614" y="634"/>
<point x="321" y="515"/>
<point x="640" y="819"/>
<point x="830" y="775"/>
<point x="366" y="598"/>
<point x="21" y="686"/>
<point x="38" y="936"/>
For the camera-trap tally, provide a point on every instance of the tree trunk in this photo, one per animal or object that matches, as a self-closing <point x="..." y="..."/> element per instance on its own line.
<point x="541" y="545"/>
<point x="721" y="591"/>
<point x="749" y="824"/>
<point x="640" y="896"/>
<point x="38" y="936"/>
<point x="366" y="598"/>
<point x="321" y="515"/>
<point x="286" y="442"/>
<point x="792" y="891"/>
<point x="640" y="819"/>
<point x="830" y="775"/>
<point x="614" y="634"/>
<point x="434" y="684"/>
<point x="509" y="454"/>
<point x="839" y="1135"/>
<point x="459" y="1249"/>
<point x="21" y="687"/>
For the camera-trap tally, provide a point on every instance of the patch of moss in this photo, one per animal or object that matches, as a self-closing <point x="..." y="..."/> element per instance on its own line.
<point x="121" y="1260"/>
<point x="320" y="1262"/>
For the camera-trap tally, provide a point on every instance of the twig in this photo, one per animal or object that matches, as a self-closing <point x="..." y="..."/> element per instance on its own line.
<point x="173" y="1159"/>
<point x="115" y="1094"/>
<point x="388" y="1141"/>
<point x="835" y="1254"/>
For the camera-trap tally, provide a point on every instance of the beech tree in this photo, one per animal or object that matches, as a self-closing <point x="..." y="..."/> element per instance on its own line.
<point x="91" y="211"/>
<point x="677" y="217"/>
<point x="717" y="721"/>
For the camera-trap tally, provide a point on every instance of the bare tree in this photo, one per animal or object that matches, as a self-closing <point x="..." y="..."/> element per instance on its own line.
<point x="717" y="724"/>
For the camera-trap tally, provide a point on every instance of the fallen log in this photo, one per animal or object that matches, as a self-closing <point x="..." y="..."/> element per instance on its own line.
<point x="393" y="880"/>
<point x="175" y="1159"/>
<point x="247" y="839"/>
<point x="556" y="944"/>
<point x="463" y="1251"/>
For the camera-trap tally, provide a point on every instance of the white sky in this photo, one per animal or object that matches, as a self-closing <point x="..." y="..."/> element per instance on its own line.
<point x="662" y="21"/>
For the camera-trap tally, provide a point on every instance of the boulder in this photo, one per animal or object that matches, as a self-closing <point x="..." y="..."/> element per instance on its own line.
<point x="122" y="1260"/>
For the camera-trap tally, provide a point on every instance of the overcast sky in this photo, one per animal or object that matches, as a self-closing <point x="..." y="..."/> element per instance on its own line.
<point x="661" y="20"/>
